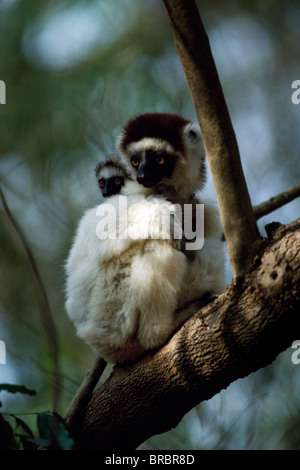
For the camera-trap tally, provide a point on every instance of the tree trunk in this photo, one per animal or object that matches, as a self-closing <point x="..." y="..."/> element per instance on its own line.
<point x="243" y="330"/>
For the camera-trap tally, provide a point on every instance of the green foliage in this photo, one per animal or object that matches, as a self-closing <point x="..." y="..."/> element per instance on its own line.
<point x="7" y="438"/>
<point x="17" y="389"/>
<point x="53" y="434"/>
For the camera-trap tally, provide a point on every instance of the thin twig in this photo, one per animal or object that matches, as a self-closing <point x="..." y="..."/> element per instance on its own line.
<point x="266" y="207"/>
<point x="84" y="392"/>
<point x="276" y="201"/>
<point x="43" y="301"/>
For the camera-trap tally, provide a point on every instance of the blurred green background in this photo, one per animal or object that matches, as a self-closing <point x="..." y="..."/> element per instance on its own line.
<point x="75" y="72"/>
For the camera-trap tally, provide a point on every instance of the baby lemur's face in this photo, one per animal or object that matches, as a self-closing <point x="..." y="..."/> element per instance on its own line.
<point x="111" y="177"/>
<point x="110" y="186"/>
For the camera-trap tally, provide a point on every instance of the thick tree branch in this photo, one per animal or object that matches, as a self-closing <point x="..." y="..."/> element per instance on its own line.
<point x="84" y="392"/>
<point x="192" y="46"/>
<point x="241" y="331"/>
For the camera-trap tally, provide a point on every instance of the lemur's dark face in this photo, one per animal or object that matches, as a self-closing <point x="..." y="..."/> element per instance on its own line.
<point x="152" y="143"/>
<point x="152" y="166"/>
<point x="111" y="186"/>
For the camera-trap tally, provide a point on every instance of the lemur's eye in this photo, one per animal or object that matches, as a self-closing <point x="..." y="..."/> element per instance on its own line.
<point x="135" y="161"/>
<point x="160" y="160"/>
<point x="117" y="181"/>
<point x="101" y="183"/>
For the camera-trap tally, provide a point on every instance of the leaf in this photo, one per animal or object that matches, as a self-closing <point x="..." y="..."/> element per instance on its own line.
<point x="53" y="429"/>
<point x="7" y="439"/>
<point x="20" y="423"/>
<point x="39" y="442"/>
<point x="24" y="433"/>
<point x="17" y="389"/>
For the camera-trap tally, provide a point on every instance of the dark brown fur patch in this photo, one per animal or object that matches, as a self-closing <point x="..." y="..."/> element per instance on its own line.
<point x="111" y="161"/>
<point x="164" y="126"/>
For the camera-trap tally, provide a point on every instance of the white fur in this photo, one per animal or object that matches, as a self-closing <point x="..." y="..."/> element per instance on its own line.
<point x="122" y="294"/>
<point x="206" y="270"/>
<point x="188" y="177"/>
<point x="127" y="295"/>
<point x="149" y="143"/>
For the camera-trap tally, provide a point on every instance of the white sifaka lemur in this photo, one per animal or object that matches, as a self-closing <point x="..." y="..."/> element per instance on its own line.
<point x="128" y="279"/>
<point x="125" y="273"/>
<point x="165" y="153"/>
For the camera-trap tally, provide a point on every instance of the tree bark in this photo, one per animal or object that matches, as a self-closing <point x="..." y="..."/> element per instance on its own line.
<point x="243" y="330"/>
<point x="193" y="48"/>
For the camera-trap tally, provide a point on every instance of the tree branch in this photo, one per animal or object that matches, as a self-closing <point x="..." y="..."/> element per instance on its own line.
<point x="43" y="302"/>
<point x="86" y="389"/>
<point x="266" y="207"/>
<point x="276" y="201"/>
<point x="84" y="392"/>
<point x="243" y="330"/>
<point x="192" y="46"/>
